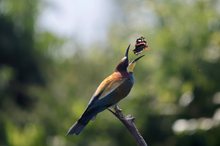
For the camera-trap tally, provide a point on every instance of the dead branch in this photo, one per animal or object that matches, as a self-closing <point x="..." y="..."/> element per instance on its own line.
<point x="128" y="121"/>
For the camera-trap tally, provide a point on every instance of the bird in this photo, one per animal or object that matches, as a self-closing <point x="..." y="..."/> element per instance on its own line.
<point x="110" y="91"/>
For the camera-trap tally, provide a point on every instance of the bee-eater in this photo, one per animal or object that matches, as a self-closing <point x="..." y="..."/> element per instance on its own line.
<point x="111" y="90"/>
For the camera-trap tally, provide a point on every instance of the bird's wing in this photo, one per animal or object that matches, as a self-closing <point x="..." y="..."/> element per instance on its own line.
<point x="106" y="87"/>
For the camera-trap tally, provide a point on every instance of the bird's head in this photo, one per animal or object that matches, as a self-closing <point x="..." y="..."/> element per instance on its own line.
<point x="123" y="64"/>
<point x="132" y="64"/>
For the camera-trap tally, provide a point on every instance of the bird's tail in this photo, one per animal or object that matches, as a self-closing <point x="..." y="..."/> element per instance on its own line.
<point x="84" y="120"/>
<point x="76" y="128"/>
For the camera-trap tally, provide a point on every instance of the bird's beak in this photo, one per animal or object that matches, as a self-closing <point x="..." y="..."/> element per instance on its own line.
<point x="127" y="51"/>
<point x="135" y="60"/>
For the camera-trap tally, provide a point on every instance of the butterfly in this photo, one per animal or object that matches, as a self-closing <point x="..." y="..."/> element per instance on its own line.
<point x="140" y="46"/>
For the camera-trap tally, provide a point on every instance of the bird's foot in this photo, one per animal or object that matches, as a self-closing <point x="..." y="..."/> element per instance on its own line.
<point x="117" y="109"/>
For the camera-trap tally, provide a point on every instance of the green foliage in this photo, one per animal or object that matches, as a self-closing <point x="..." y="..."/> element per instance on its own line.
<point x="175" y="98"/>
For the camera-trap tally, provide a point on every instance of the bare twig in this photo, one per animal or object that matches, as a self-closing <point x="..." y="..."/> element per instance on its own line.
<point x="128" y="121"/>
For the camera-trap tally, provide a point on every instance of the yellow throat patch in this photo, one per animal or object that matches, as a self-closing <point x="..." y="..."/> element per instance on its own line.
<point x="131" y="67"/>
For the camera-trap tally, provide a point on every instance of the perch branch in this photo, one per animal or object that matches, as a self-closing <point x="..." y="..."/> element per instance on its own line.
<point x="128" y="121"/>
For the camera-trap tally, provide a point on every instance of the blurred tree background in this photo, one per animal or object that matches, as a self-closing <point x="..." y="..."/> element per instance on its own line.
<point x="176" y="98"/>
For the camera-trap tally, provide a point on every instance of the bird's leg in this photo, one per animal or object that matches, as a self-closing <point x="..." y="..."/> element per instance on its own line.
<point x="117" y="111"/>
<point x="117" y="108"/>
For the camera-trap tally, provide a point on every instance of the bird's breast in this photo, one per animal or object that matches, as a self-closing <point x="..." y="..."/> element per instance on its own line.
<point x="123" y="90"/>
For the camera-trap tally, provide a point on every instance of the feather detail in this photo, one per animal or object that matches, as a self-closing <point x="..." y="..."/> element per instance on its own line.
<point x="93" y="118"/>
<point x="76" y="129"/>
<point x="107" y="86"/>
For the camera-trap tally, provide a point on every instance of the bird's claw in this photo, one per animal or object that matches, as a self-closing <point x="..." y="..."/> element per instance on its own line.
<point x="117" y="109"/>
